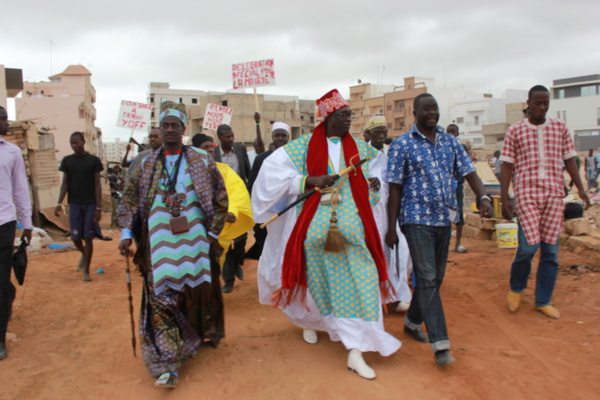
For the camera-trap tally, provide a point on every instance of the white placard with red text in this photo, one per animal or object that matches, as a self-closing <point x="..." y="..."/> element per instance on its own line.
<point x="216" y="115"/>
<point x="134" y="115"/>
<point x="253" y="74"/>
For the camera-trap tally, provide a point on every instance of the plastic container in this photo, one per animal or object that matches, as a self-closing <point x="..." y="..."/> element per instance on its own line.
<point x="507" y="236"/>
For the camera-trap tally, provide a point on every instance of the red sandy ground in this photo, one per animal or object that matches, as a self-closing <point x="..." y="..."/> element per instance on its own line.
<point x="71" y="340"/>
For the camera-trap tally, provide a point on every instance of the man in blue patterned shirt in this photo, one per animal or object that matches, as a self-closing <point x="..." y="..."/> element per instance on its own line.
<point x="421" y="166"/>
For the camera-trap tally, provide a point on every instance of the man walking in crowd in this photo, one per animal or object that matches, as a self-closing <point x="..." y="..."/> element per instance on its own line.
<point x="14" y="201"/>
<point x="421" y="167"/>
<point x="155" y="141"/>
<point x="234" y="155"/>
<point x="180" y="197"/>
<point x="590" y="170"/>
<point x="398" y="258"/>
<point x="115" y="181"/>
<point x="81" y="180"/>
<point x="338" y="291"/>
<point x="534" y="151"/>
<point x="280" y="135"/>
<point x="377" y="132"/>
<point x="460" y="196"/>
<point x="239" y="212"/>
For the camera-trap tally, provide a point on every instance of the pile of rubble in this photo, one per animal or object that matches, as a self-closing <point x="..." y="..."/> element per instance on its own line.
<point x="580" y="234"/>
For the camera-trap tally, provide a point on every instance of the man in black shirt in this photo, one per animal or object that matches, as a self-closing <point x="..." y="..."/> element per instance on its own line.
<point x="81" y="180"/>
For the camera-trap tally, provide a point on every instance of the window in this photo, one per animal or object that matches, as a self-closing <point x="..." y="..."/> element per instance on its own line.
<point x="152" y="114"/>
<point x="588" y="90"/>
<point x="389" y="107"/>
<point x="460" y="120"/>
<point x="398" y="105"/>
<point x="564" y="118"/>
<point x="151" y="99"/>
<point x="180" y="100"/>
<point x="194" y="100"/>
<point x="302" y="118"/>
<point x="476" y="120"/>
<point x="559" y="94"/>
<point x="598" y="115"/>
<point x="312" y="119"/>
<point x="398" y="123"/>
<point x="224" y="103"/>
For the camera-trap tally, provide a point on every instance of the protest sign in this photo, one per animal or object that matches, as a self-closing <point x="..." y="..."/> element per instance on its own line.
<point x="134" y="115"/>
<point x="253" y="74"/>
<point x="216" y="115"/>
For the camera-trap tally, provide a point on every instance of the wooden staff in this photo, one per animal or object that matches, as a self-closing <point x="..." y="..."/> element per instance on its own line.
<point x="315" y="190"/>
<point x="127" y="270"/>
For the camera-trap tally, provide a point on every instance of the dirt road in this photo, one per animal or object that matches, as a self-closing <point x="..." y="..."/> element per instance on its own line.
<point x="71" y="340"/>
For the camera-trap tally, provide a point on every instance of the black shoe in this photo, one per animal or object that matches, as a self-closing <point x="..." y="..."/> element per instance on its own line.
<point x="239" y="272"/>
<point x="227" y="288"/>
<point x="417" y="334"/>
<point x="443" y="358"/>
<point x="3" y="352"/>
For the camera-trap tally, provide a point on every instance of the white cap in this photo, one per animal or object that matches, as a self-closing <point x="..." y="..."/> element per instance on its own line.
<point x="281" y="125"/>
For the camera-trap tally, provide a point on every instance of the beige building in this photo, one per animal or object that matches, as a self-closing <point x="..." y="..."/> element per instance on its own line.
<point x="63" y="105"/>
<point x="366" y="100"/>
<point x="399" y="105"/>
<point x="298" y="114"/>
<point x="393" y="102"/>
<point x="11" y="83"/>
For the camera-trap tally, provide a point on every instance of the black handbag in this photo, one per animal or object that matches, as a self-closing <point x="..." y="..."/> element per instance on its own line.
<point x="19" y="262"/>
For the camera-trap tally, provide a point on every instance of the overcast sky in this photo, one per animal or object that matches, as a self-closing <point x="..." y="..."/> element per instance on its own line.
<point x="317" y="45"/>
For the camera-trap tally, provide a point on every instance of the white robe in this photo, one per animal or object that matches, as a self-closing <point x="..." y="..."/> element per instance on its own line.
<point x="276" y="187"/>
<point x="398" y="259"/>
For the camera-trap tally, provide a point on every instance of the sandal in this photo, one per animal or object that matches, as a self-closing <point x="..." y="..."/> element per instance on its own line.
<point x="461" y="249"/>
<point x="167" y="380"/>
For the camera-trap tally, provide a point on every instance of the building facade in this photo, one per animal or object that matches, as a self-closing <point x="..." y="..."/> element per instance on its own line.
<point x="577" y="102"/>
<point x="11" y="83"/>
<point x="63" y="105"/>
<point x="113" y="152"/>
<point x="298" y="114"/>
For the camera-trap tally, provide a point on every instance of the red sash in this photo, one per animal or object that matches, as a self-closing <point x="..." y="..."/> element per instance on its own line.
<point x="293" y="276"/>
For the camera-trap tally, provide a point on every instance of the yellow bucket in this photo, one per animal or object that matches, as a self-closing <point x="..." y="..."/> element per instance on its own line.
<point x="507" y="236"/>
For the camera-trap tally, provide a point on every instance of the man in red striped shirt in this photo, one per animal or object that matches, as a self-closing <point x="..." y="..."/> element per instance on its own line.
<point x="534" y="152"/>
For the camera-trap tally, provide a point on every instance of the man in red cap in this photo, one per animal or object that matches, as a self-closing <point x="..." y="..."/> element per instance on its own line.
<point x="339" y="291"/>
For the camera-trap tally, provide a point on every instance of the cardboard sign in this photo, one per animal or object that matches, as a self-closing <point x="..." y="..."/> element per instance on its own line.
<point x="216" y="115"/>
<point x="253" y="74"/>
<point x="134" y="115"/>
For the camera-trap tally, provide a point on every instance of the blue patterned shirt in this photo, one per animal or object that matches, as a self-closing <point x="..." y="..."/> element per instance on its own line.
<point x="426" y="172"/>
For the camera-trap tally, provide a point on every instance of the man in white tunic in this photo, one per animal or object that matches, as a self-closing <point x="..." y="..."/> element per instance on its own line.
<point x="336" y="292"/>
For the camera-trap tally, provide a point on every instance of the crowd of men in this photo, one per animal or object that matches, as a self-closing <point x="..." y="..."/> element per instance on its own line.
<point x="362" y="214"/>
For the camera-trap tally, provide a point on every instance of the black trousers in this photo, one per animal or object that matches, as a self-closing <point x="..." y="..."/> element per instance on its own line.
<point x="7" y="289"/>
<point x="234" y="258"/>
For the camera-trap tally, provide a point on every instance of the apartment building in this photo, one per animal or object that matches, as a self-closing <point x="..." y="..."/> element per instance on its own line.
<point x="576" y="101"/>
<point x="63" y="105"/>
<point x="114" y="151"/>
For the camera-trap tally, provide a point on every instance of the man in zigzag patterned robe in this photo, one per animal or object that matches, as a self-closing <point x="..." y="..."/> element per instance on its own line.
<point x="182" y="305"/>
